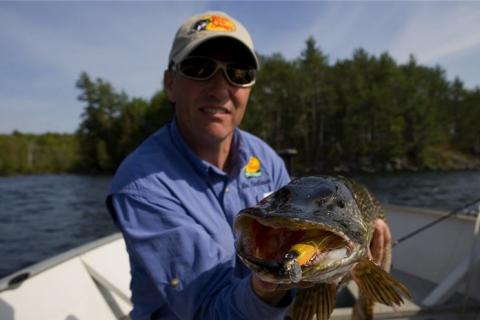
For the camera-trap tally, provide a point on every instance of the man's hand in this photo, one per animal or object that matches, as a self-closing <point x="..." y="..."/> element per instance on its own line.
<point x="273" y="293"/>
<point x="268" y="292"/>
<point x="380" y="241"/>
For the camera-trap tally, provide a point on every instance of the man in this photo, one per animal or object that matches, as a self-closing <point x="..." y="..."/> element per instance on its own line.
<point x="175" y="197"/>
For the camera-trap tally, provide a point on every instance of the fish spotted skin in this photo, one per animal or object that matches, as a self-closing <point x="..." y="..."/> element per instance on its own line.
<point x="317" y="231"/>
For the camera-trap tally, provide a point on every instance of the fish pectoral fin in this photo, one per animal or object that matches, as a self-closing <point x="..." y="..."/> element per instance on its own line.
<point x="318" y="300"/>
<point x="379" y="285"/>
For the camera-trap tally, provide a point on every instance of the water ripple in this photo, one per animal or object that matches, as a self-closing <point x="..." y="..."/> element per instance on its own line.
<point x="41" y="216"/>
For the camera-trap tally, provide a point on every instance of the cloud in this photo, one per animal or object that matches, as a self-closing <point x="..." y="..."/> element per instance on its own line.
<point x="340" y="28"/>
<point x="447" y="34"/>
<point x="45" y="47"/>
<point x="437" y="31"/>
<point x="112" y="44"/>
<point x="336" y="26"/>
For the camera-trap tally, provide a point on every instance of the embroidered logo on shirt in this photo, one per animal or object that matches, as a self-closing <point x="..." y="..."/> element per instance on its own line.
<point x="253" y="168"/>
<point x="214" y="23"/>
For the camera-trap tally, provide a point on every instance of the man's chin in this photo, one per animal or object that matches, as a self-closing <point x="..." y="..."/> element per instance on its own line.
<point x="218" y="133"/>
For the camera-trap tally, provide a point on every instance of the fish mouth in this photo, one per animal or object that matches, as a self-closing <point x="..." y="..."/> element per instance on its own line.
<point x="264" y="245"/>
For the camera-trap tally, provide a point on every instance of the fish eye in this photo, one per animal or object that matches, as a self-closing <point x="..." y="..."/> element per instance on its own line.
<point x="341" y="204"/>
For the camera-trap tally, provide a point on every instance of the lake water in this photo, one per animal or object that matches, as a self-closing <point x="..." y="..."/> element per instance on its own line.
<point x="41" y="216"/>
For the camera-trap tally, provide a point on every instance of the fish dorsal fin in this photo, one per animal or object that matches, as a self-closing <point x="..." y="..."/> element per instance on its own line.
<point x="318" y="300"/>
<point x="378" y="285"/>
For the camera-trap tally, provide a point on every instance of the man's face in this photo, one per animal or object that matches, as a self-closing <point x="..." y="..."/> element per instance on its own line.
<point x="208" y="111"/>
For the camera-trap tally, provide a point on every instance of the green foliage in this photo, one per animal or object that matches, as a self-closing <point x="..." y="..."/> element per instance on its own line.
<point x="362" y="113"/>
<point x="46" y="153"/>
<point x="113" y="124"/>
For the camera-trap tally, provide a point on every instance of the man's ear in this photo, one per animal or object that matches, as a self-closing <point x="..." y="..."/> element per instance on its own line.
<point x="168" y="81"/>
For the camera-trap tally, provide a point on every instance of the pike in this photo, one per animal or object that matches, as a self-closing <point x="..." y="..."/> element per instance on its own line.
<point x="315" y="233"/>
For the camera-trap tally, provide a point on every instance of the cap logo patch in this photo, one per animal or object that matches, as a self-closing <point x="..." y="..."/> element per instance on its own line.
<point x="253" y="168"/>
<point x="214" y="23"/>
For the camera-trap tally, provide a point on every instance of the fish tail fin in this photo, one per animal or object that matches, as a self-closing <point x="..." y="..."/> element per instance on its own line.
<point x="318" y="300"/>
<point x="376" y="284"/>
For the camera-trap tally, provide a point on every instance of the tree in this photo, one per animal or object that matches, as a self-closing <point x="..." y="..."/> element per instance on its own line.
<point x="113" y="124"/>
<point x="316" y="99"/>
<point x="96" y="133"/>
<point x="273" y="101"/>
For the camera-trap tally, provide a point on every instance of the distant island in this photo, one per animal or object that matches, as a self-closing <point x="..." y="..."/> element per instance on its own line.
<point x="366" y="113"/>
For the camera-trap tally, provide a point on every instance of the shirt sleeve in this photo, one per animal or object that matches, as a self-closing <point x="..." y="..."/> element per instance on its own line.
<point x="281" y="176"/>
<point x="191" y="272"/>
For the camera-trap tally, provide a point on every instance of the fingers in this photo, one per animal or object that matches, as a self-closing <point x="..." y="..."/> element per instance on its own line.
<point x="268" y="292"/>
<point x="302" y="284"/>
<point x="381" y="239"/>
<point x="376" y="246"/>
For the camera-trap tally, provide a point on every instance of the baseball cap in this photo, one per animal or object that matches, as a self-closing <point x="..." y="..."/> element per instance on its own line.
<point x="200" y="28"/>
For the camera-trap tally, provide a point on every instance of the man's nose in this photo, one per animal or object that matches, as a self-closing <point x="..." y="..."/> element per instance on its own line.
<point x="219" y="85"/>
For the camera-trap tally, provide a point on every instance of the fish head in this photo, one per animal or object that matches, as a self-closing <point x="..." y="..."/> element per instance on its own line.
<point x="310" y="230"/>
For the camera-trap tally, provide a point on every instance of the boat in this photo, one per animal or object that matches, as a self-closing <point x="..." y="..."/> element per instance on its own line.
<point x="440" y="266"/>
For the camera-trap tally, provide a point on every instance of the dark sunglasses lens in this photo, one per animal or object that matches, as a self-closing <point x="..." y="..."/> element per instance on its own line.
<point x="198" y="68"/>
<point x="240" y="74"/>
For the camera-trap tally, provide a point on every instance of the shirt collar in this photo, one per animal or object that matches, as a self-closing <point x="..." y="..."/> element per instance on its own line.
<point x="239" y="151"/>
<point x="179" y="142"/>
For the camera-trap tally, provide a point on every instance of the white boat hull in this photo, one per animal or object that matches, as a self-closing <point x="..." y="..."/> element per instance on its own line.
<point x="91" y="282"/>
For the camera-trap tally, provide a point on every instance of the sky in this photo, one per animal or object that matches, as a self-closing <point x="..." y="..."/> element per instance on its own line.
<point x="44" y="46"/>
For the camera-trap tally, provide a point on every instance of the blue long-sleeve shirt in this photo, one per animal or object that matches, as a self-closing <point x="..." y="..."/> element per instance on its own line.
<point x="176" y="213"/>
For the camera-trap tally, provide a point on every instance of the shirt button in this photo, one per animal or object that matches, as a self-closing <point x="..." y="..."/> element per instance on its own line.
<point x="226" y="189"/>
<point x="174" y="282"/>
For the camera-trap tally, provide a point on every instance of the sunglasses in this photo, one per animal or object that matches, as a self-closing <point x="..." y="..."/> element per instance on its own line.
<point x="203" y="68"/>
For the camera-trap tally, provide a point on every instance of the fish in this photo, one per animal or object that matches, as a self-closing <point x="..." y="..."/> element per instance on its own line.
<point x="314" y="234"/>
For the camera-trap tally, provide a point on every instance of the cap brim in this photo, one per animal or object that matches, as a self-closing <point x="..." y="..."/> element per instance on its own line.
<point x="192" y="46"/>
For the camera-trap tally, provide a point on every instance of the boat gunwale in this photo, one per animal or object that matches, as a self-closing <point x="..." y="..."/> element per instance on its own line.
<point x="427" y="211"/>
<point x="44" y="265"/>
